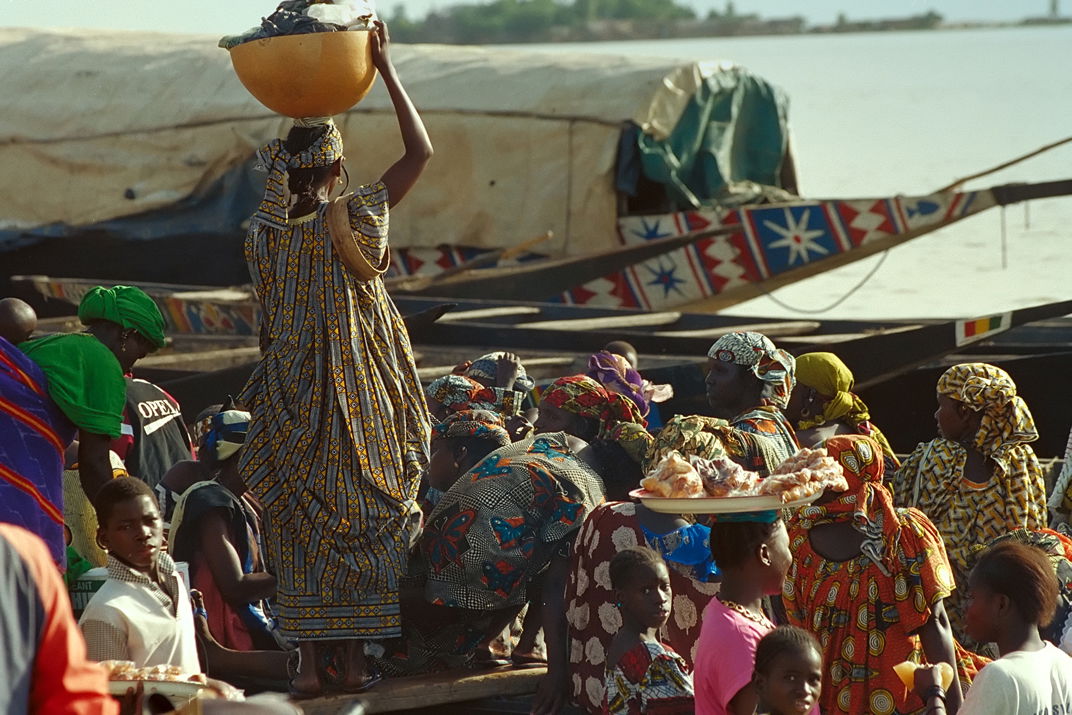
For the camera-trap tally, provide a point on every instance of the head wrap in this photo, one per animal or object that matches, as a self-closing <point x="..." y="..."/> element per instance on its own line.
<point x="126" y="306"/>
<point x="276" y="160"/>
<point x="475" y="424"/>
<point x="618" y="418"/>
<point x="486" y="367"/>
<point x="830" y="377"/>
<point x="867" y="503"/>
<point x="458" y="392"/>
<point x="772" y="366"/>
<point x="615" y="374"/>
<point x="984" y="388"/>
<point x="226" y="434"/>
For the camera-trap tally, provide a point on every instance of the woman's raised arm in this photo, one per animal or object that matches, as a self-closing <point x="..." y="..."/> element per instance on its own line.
<point x="403" y="174"/>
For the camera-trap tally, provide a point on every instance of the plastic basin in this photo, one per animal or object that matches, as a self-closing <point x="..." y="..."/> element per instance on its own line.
<point x="314" y="75"/>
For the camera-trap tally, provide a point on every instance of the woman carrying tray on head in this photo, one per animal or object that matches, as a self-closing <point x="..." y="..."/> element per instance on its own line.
<point x="339" y="434"/>
<point x="752" y="551"/>
<point x="748" y="383"/>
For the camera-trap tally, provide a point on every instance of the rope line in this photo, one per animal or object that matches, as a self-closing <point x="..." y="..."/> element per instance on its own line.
<point x="815" y="311"/>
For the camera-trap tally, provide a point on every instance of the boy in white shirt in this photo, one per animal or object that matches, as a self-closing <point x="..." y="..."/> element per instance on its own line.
<point x="1011" y="592"/>
<point x="142" y="612"/>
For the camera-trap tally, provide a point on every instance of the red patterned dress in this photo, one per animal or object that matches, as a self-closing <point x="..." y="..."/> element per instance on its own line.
<point x="591" y="614"/>
<point x="649" y="678"/>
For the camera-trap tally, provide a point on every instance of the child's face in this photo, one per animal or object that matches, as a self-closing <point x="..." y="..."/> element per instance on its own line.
<point x="791" y="684"/>
<point x="134" y="532"/>
<point x="646" y="597"/>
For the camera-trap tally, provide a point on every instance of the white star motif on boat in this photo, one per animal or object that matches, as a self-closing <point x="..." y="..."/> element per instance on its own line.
<point x="797" y="238"/>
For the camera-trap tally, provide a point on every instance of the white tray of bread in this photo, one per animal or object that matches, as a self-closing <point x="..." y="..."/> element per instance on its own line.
<point x="681" y="484"/>
<point x="166" y="680"/>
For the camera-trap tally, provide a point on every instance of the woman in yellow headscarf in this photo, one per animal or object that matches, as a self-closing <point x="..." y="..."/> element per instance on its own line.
<point x="823" y="405"/>
<point x="980" y="479"/>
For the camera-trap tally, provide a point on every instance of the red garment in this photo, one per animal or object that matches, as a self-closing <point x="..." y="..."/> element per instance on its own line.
<point x="591" y="614"/>
<point x="63" y="681"/>
<point x="649" y="679"/>
<point x="223" y="622"/>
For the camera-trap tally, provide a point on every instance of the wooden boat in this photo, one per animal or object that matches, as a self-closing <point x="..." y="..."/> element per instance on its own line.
<point x="517" y="166"/>
<point x="556" y="339"/>
<point x="700" y="260"/>
<point x="778" y="244"/>
<point x="203" y="310"/>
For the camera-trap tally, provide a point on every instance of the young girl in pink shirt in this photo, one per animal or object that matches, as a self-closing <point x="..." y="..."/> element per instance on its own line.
<point x="752" y="550"/>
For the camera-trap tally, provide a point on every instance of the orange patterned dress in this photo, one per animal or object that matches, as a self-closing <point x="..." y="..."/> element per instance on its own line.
<point x="866" y="610"/>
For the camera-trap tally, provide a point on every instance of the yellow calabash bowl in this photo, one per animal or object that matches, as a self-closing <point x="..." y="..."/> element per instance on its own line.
<point x="319" y="74"/>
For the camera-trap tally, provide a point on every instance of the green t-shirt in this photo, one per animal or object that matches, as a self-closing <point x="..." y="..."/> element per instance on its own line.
<point x="84" y="379"/>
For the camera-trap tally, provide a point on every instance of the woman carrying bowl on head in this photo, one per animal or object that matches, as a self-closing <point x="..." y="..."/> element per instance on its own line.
<point x="338" y="434"/>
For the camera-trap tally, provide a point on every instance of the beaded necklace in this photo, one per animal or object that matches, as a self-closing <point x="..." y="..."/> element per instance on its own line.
<point x="734" y="606"/>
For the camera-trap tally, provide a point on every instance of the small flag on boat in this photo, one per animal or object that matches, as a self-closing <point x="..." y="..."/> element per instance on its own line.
<point x="971" y="331"/>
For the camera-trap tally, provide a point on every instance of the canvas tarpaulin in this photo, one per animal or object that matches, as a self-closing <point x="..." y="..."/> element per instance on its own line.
<point x="133" y="131"/>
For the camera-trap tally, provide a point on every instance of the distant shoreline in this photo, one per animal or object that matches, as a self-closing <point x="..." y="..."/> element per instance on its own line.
<point x="463" y="29"/>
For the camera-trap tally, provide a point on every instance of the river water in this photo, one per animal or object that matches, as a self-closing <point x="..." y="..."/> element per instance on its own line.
<point x="887" y="113"/>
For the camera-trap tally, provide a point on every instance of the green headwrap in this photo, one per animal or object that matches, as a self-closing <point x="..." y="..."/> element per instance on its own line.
<point x="126" y="306"/>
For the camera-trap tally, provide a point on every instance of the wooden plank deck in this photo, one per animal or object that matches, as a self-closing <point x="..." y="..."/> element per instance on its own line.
<point x="424" y="691"/>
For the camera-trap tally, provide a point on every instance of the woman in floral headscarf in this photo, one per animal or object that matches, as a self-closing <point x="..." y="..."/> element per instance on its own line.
<point x="455" y="393"/>
<point x="749" y="382"/>
<point x="616" y="374"/>
<point x="580" y="406"/>
<point x="980" y="479"/>
<point x="503" y="374"/>
<point x="497" y="530"/>
<point x="823" y="405"/>
<point x="870" y="581"/>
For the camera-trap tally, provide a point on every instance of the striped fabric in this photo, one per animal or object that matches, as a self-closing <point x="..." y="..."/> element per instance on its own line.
<point x="339" y="433"/>
<point x="33" y="436"/>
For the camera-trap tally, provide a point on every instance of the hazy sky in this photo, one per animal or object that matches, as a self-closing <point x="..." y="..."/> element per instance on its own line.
<point x="232" y="16"/>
